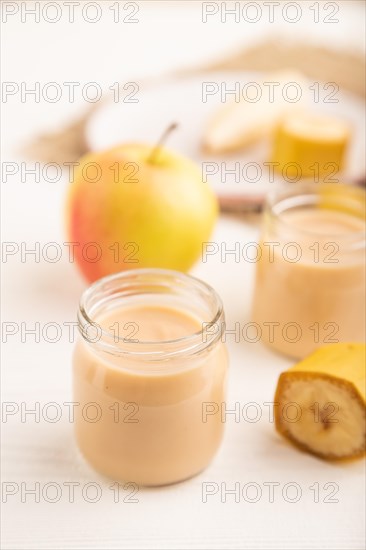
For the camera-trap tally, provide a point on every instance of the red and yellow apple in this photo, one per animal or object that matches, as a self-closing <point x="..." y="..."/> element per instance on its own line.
<point x="132" y="207"/>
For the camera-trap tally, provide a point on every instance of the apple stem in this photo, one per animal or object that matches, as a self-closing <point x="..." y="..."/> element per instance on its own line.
<point x="166" y="133"/>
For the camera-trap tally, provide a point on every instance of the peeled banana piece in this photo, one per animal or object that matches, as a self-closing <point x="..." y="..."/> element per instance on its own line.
<point x="320" y="402"/>
<point x="239" y="124"/>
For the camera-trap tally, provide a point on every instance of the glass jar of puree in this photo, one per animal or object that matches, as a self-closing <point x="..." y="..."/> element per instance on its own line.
<point x="310" y="278"/>
<point x="145" y="370"/>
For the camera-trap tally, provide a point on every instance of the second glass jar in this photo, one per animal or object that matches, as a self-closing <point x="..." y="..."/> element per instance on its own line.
<point x="310" y="280"/>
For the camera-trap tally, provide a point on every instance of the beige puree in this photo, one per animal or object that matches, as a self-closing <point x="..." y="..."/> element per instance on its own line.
<point x="159" y="436"/>
<point x="323" y="293"/>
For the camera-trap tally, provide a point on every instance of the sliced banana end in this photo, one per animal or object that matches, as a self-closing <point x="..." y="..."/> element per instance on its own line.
<point x="305" y="142"/>
<point x="321" y="414"/>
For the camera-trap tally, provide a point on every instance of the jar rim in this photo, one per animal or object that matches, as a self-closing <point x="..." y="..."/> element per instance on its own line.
<point x="151" y="350"/>
<point x="305" y="193"/>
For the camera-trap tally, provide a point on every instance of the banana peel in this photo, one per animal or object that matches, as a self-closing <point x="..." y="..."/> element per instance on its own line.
<point x="321" y="402"/>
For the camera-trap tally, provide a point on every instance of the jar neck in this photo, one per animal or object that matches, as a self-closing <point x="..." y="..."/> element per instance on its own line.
<point x="151" y="286"/>
<point x="339" y="198"/>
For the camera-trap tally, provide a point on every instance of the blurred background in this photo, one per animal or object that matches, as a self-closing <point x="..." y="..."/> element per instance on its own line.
<point x="168" y="36"/>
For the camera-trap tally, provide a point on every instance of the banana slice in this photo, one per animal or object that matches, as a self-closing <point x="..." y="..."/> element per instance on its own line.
<point x="307" y="144"/>
<point x="320" y="402"/>
<point x="239" y="124"/>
